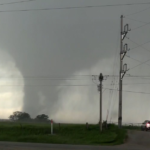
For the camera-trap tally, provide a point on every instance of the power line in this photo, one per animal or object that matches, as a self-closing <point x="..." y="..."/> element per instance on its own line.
<point x="140" y="64"/>
<point x="134" y="83"/>
<point x="137" y="60"/>
<point x="130" y="91"/>
<point x="47" y="85"/>
<point x="135" y="77"/>
<point x="138" y="12"/>
<point x="131" y="76"/>
<point x="142" y="78"/>
<point x="58" y="78"/>
<point x="141" y="26"/>
<point x="113" y="81"/>
<point x="46" y="79"/>
<point x="133" y="59"/>
<point x="127" y="76"/>
<point x="76" y="7"/>
<point x="113" y="103"/>
<point x="138" y="76"/>
<point x="49" y="77"/>
<point x="17" y="2"/>
<point x="73" y="85"/>
<point x="129" y="83"/>
<point x="136" y="20"/>
<point x="69" y="85"/>
<point x="139" y="45"/>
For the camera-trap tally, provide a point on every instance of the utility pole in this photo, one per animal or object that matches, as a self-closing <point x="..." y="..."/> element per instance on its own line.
<point x="123" y="68"/>
<point x="100" y="89"/>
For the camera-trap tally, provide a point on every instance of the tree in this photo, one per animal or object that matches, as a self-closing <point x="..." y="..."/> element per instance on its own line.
<point x="19" y="116"/>
<point x="42" y="117"/>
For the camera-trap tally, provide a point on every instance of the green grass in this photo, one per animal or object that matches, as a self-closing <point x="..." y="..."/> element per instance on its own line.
<point x="65" y="134"/>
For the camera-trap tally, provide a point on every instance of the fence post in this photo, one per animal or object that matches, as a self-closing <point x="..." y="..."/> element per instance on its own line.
<point x="59" y="126"/>
<point x="106" y="124"/>
<point x="51" y="126"/>
<point x="87" y="125"/>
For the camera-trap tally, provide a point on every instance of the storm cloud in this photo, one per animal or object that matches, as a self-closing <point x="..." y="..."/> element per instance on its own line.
<point x="63" y="43"/>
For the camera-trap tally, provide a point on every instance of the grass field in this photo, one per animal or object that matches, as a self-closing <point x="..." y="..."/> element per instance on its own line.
<point x="63" y="134"/>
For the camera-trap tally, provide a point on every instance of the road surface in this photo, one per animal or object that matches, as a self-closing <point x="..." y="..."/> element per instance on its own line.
<point x="138" y="140"/>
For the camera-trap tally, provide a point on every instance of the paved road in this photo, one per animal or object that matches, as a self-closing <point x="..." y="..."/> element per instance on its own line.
<point x="138" y="140"/>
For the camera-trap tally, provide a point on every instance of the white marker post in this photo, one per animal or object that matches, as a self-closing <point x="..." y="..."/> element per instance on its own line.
<point x="51" y="126"/>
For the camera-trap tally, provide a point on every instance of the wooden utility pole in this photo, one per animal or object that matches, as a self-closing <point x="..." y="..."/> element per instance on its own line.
<point x="101" y="79"/>
<point x="123" y="68"/>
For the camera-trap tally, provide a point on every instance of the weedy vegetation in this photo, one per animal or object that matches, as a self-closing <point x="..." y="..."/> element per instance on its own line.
<point x="62" y="133"/>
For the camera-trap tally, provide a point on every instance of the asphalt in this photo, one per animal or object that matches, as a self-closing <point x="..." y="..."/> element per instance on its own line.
<point x="137" y="140"/>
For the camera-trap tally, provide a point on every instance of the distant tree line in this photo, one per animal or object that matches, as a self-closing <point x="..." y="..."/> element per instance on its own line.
<point x="23" y="116"/>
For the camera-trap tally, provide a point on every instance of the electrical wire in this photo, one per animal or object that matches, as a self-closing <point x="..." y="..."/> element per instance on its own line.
<point x="112" y="100"/>
<point x="17" y="2"/>
<point x="134" y="83"/>
<point x="136" y="20"/>
<point x="48" y="85"/>
<point x="139" y="78"/>
<point x="130" y="91"/>
<point x="113" y="80"/>
<point x="113" y="104"/>
<point x="130" y="83"/>
<point x="135" y="76"/>
<point x="136" y="60"/>
<point x="137" y="12"/>
<point x="139" y="45"/>
<point x="140" y="64"/>
<point x="141" y="26"/>
<point x="47" y="77"/>
<point x="75" y="79"/>
<point x="77" y="7"/>
<point x="131" y="76"/>
<point x="63" y="78"/>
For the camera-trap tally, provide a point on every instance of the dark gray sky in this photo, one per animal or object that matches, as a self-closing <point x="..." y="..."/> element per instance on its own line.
<point x="64" y="43"/>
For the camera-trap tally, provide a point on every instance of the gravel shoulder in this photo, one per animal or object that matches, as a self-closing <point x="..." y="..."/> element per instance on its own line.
<point x="137" y="139"/>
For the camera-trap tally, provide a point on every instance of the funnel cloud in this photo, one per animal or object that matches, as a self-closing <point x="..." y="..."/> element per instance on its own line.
<point x="42" y="46"/>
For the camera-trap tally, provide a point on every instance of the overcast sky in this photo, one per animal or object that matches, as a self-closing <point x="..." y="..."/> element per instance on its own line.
<point x="38" y="46"/>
